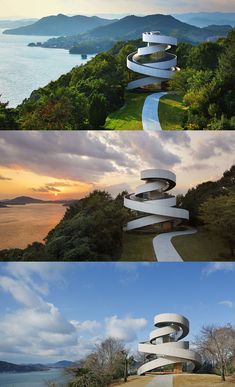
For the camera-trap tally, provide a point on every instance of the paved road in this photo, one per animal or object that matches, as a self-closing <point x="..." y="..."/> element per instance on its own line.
<point x="163" y="248"/>
<point x="161" y="381"/>
<point x="150" y="119"/>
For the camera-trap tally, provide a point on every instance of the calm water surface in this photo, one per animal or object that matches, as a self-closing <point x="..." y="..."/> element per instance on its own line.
<point x="21" y="225"/>
<point x="24" y="69"/>
<point x="33" y="379"/>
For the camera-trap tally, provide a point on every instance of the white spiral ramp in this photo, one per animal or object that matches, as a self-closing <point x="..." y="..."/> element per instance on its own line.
<point x="151" y="199"/>
<point x="164" y="348"/>
<point x="156" y="70"/>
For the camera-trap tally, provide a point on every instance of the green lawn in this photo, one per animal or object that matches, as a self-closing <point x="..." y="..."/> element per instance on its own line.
<point x="171" y="111"/>
<point x="202" y="246"/>
<point x="138" y="247"/>
<point x="129" y="117"/>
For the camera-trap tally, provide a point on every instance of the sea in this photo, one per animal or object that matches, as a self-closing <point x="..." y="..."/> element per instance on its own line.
<point x="22" y="225"/>
<point x="24" y="69"/>
<point x="34" y="379"/>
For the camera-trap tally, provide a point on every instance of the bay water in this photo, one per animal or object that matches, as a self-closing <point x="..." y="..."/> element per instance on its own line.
<point x="24" y="69"/>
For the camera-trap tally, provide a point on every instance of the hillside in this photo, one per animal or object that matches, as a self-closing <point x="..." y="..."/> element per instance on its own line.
<point x="60" y="25"/>
<point x="132" y="27"/>
<point x="16" y="368"/>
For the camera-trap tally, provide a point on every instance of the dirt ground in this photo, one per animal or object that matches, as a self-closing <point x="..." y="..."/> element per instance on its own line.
<point x="182" y="380"/>
<point x="196" y="380"/>
<point x="135" y="381"/>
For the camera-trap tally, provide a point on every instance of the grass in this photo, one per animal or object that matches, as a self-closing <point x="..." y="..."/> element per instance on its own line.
<point x="129" y="117"/>
<point x="171" y="110"/>
<point x="202" y="246"/>
<point x="196" y="380"/>
<point x="138" y="247"/>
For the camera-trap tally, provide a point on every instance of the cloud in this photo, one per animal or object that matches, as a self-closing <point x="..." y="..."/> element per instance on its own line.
<point x="46" y="188"/>
<point x="5" y="178"/>
<point x="227" y="303"/>
<point x="37" y="330"/>
<point x="124" y="329"/>
<point x="214" y="146"/>
<point x="88" y="325"/>
<point x="218" y="266"/>
<point x="86" y="156"/>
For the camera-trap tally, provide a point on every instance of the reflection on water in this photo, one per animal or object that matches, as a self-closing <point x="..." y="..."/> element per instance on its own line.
<point x="21" y="225"/>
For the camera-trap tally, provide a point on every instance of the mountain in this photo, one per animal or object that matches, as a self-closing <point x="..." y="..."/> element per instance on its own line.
<point x="60" y="25"/>
<point x="16" y="23"/>
<point x="16" y="368"/>
<point x="132" y="27"/>
<point x="203" y="19"/>
<point x="61" y="364"/>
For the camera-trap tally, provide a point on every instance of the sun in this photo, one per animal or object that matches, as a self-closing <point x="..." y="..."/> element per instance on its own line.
<point x="55" y="194"/>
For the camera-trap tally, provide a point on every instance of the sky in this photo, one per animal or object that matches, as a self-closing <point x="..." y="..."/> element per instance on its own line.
<point x="28" y="8"/>
<point x="68" y="165"/>
<point x="55" y="311"/>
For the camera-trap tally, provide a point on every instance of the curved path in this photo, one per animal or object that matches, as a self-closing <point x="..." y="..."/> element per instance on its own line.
<point x="164" y="249"/>
<point x="164" y="347"/>
<point x="150" y="118"/>
<point x="161" y="381"/>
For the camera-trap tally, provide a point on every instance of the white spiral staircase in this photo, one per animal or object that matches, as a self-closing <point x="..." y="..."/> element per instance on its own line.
<point x="156" y="68"/>
<point x="164" y="348"/>
<point x="151" y="199"/>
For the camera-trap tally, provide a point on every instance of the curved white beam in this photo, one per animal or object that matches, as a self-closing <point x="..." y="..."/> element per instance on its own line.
<point x="157" y="70"/>
<point x="163" y="348"/>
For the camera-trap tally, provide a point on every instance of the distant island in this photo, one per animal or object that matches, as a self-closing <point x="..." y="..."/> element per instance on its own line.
<point x="6" y="367"/>
<point x="23" y="200"/>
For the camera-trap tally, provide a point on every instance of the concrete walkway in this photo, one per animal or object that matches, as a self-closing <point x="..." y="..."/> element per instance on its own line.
<point x="161" y="381"/>
<point x="150" y="119"/>
<point x="163" y="248"/>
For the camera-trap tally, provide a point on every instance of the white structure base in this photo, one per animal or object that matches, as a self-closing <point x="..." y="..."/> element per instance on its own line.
<point x="164" y="348"/>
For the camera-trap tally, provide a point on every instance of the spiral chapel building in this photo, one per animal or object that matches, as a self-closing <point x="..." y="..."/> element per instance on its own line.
<point x="153" y="61"/>
<point x="165" y="351"/>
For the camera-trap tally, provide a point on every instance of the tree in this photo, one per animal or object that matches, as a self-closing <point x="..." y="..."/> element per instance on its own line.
<point x="8" y="117"/>
<point x="97" y="111"/>
<point x="217" y="346"/>
<point x="218" y="216"/>
<point x="107" y="363"/>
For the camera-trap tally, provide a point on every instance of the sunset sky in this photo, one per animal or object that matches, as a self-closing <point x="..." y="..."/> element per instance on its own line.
<point x="68" y="165"/>
<point x="28" y="8"/>
<point x="54" y="311"/>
